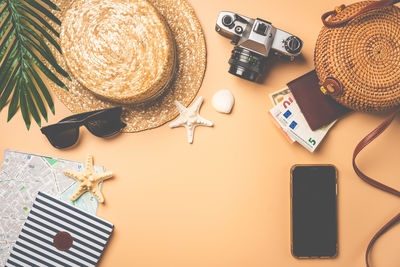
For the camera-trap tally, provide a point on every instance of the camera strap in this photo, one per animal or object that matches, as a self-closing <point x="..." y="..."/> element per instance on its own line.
<point x="361" y="145"/>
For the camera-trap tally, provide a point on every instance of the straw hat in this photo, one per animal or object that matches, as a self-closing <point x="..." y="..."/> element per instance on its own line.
<point x="170" y="68"/>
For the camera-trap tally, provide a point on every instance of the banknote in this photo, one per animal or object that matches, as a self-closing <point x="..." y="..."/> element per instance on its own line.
<point x="278" y="125"/>
<point x="279" y="121"/>
<point x="288" y="115"/>
<point x="279" y="95"/>
<point x="275" y="98"/>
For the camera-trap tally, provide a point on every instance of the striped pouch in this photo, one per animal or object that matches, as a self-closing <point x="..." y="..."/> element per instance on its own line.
<point x="58" y="234"/>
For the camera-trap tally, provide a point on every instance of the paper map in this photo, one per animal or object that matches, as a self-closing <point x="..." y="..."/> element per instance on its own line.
<point x="22" y="176"/>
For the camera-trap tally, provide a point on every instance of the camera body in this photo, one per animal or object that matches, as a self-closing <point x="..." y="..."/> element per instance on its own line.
<point x="254" y="40"/>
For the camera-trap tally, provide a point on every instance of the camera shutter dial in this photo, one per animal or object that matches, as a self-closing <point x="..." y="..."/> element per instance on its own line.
<point x="293" y="45"/>
<point x="227" y="20"/>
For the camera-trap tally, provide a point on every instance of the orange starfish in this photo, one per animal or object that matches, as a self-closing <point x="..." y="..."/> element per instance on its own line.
<point x="88" y="180"/>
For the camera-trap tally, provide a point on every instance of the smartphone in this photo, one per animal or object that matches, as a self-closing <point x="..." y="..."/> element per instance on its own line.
<point x="314" y="211"/>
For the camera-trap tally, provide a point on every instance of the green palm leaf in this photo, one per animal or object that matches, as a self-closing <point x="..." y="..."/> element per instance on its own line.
<point x="25" y="36"/>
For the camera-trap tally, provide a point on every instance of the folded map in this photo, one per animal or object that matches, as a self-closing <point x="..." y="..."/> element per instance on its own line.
<point x="22" y="176"/>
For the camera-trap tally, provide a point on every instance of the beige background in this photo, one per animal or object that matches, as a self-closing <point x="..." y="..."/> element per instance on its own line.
<point x="224" y="200"/>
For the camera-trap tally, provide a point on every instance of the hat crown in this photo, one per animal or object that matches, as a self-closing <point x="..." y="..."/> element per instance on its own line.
<point x="122" y="51"/>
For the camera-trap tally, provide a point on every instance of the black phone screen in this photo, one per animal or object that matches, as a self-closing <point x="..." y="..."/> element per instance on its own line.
<point x="314" y="211"/>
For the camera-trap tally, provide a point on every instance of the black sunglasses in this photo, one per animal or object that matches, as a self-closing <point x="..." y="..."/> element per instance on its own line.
<point x="101" y="123"/>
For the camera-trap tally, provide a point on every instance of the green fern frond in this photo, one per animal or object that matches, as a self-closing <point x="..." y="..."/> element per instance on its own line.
<point x="24" y="30"/>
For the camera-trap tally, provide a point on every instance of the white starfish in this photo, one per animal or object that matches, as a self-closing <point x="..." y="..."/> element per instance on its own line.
<point x="190" y="118"/>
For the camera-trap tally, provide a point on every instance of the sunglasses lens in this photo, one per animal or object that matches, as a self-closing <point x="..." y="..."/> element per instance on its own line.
<point x="105" y="126"/>
<point x="63" y="137"/>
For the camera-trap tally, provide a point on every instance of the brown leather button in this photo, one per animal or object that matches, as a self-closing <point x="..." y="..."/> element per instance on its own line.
<point x="62" y="241"/>
<point x="332" y="86"/>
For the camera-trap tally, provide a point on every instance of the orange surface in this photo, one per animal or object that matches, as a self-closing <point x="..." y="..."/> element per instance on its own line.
<point x="224" y="201"/>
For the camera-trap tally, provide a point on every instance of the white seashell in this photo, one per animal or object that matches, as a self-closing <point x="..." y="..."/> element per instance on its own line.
<point x="223" y="101"/>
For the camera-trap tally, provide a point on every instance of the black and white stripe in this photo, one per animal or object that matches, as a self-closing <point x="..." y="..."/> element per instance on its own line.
<point x="49" y="216"/>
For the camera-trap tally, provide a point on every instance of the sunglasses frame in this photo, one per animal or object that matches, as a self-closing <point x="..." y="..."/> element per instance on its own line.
<point x="82" y="119"/>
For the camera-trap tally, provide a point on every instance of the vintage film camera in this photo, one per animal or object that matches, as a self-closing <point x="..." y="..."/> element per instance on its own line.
<point x="254" y="40"/>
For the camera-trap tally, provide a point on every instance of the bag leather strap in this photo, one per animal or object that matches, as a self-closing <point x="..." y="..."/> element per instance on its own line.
<point x="384" y="229"/>
<point x="361" y="145"/>
<point x="371" y="6"/>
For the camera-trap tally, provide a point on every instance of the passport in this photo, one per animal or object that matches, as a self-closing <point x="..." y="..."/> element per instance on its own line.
<point x="318" y="109"/>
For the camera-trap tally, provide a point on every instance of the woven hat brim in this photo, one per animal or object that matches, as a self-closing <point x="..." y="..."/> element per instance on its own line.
<point x="191" y="58"/>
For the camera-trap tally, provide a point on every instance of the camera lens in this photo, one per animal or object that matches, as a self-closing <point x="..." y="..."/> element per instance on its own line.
<point x="246" y="64"/>
<point x="293" y="44"/>
<point x="227" y="20"/>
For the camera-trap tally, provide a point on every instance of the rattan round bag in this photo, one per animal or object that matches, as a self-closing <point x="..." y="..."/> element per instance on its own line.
<point x="357" y="55"/>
